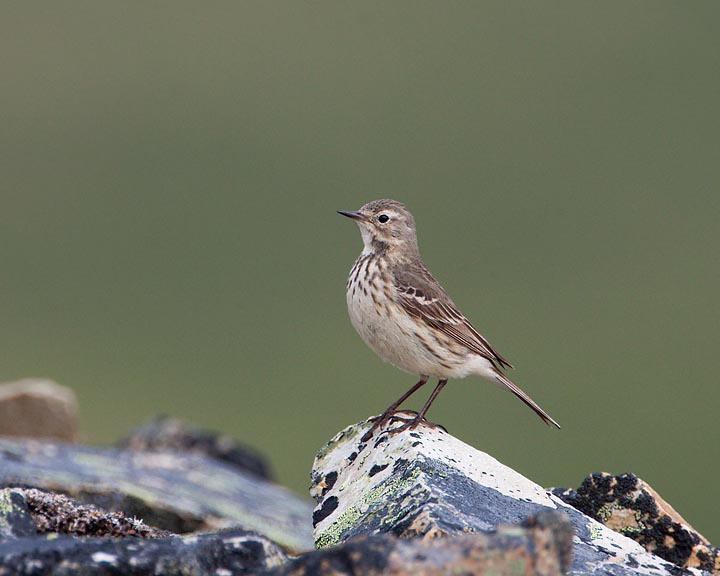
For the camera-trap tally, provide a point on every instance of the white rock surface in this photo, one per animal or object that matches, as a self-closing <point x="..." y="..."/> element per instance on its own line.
<point x="427" y="483"/>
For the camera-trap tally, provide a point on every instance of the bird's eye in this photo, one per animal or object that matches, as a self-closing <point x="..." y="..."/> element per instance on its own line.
<point x="383" y="218"/>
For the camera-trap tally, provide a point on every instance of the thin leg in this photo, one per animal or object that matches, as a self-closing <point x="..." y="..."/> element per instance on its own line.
<point x="385" y="417"/>
<point x="421" y="415"/>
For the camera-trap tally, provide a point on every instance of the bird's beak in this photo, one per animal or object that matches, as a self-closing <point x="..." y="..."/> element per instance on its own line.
<point x="354" y="215"/>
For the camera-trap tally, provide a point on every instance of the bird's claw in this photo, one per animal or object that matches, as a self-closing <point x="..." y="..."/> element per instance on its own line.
<point x="410" y="420"/>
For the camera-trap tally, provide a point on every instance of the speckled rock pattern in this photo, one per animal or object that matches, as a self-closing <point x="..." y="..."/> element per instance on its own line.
<point x="170" y="490"/>
<point x="54" y="513"/>
<point x="224" y="553"/>
<point x="628" y="505"/>
<point x="542" y="548"/>
<point x="426" y="483"/>
<point x="43" y="533"/>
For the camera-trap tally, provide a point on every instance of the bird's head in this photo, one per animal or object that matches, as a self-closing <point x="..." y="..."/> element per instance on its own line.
<point x="385" y="225"/>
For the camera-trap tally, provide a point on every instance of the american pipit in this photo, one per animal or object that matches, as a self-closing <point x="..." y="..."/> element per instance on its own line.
<point x="406" y="317"/>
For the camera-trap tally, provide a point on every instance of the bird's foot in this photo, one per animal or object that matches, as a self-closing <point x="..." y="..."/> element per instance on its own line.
<point x="409" y="418"/>
<point x="413" y="423"/>
<point x="381" y="421"/>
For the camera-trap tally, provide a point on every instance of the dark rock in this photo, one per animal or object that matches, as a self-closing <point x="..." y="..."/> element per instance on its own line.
<point x="34" y="539"/>
<point x="15" y="519"/>
<point x="229" y="552"/>
<point x="35" y="408"/>
<point x="428" y="484"/>
<point x="56" y="513"/>
<point x="630" y="506"/>
<point x="164" y="434"/>
<point x="169" y="490"/>
<point x="541" y="548"/>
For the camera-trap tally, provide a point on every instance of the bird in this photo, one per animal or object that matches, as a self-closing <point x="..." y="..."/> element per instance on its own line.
<point x="405" y="316"/>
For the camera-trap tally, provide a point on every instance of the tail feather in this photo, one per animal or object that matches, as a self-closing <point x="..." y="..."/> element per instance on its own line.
<point x="515" y="389"/>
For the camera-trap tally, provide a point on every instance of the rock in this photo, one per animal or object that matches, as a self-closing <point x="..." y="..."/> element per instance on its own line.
<point x="542" y="547"/>
<point x="49" y="512"/>
<point x="38" y="409"/>
<point x="223" y="553"/>
<point x="628" y="505"/>
<point x="427" y="484"/>
<point x="164" y="434"/>
<point x="15" y="519"/>
<point x="36" y="529"/>
<point x="169" y="490"/>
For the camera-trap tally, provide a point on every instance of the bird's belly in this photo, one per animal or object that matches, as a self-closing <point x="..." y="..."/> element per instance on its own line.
<point x="394" y="336"/>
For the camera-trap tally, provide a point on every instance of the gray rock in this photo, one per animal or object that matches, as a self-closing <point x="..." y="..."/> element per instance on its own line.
<point x="39" y="530"/>
<point x="230" y="552"/>
<point x="427" y="483"/>
<point x="165" y="434"/>
<point x="32" y="511"/>
<point x="169" y="490"/>
<point x="15" y="519"/>
<point x="36" y="408"/>
<point x="541" y="547"/>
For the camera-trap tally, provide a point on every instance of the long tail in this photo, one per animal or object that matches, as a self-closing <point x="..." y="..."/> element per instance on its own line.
<point x="515" y="389"/>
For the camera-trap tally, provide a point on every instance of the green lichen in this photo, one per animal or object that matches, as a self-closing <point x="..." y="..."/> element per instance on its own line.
<point x="6" y="507"/>
<point x="595" y="531"/>
<point x="605" y="513"/>
<point x="381" y="493"/>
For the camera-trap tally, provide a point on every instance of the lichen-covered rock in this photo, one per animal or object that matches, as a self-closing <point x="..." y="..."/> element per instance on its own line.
<point x="542" y="547"/>
<point x="628" y="505"/>
<point x="15" y="519"/>
<point x="165" y="434"/>
<point x="36" y="408"/>
<point x="170" y="490"/>
<point x="53" y="513"/>
<point x="227" y="552"/>
<point x="43" y="533"/>
<point x="427" y="483"/>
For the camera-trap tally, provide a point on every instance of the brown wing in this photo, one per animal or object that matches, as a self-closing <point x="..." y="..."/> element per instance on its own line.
<point x="423" y="297"/>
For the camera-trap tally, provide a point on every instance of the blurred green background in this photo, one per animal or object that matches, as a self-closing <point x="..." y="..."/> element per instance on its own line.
<point x="169" y="243"/>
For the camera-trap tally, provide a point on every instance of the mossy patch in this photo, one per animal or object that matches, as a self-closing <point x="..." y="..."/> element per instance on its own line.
<point x="383" y="492"/>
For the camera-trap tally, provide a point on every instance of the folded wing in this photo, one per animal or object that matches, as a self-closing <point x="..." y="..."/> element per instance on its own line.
<point x="422" y="297"/>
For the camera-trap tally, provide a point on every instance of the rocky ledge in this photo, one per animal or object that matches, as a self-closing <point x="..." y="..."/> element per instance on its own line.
<point x="174" y="500"/>
<point x="426" y="484"/>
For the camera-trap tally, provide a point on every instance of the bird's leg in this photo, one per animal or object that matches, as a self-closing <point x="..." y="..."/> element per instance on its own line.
<point x="421" y="415"/>
<point x="385" y="416"/>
